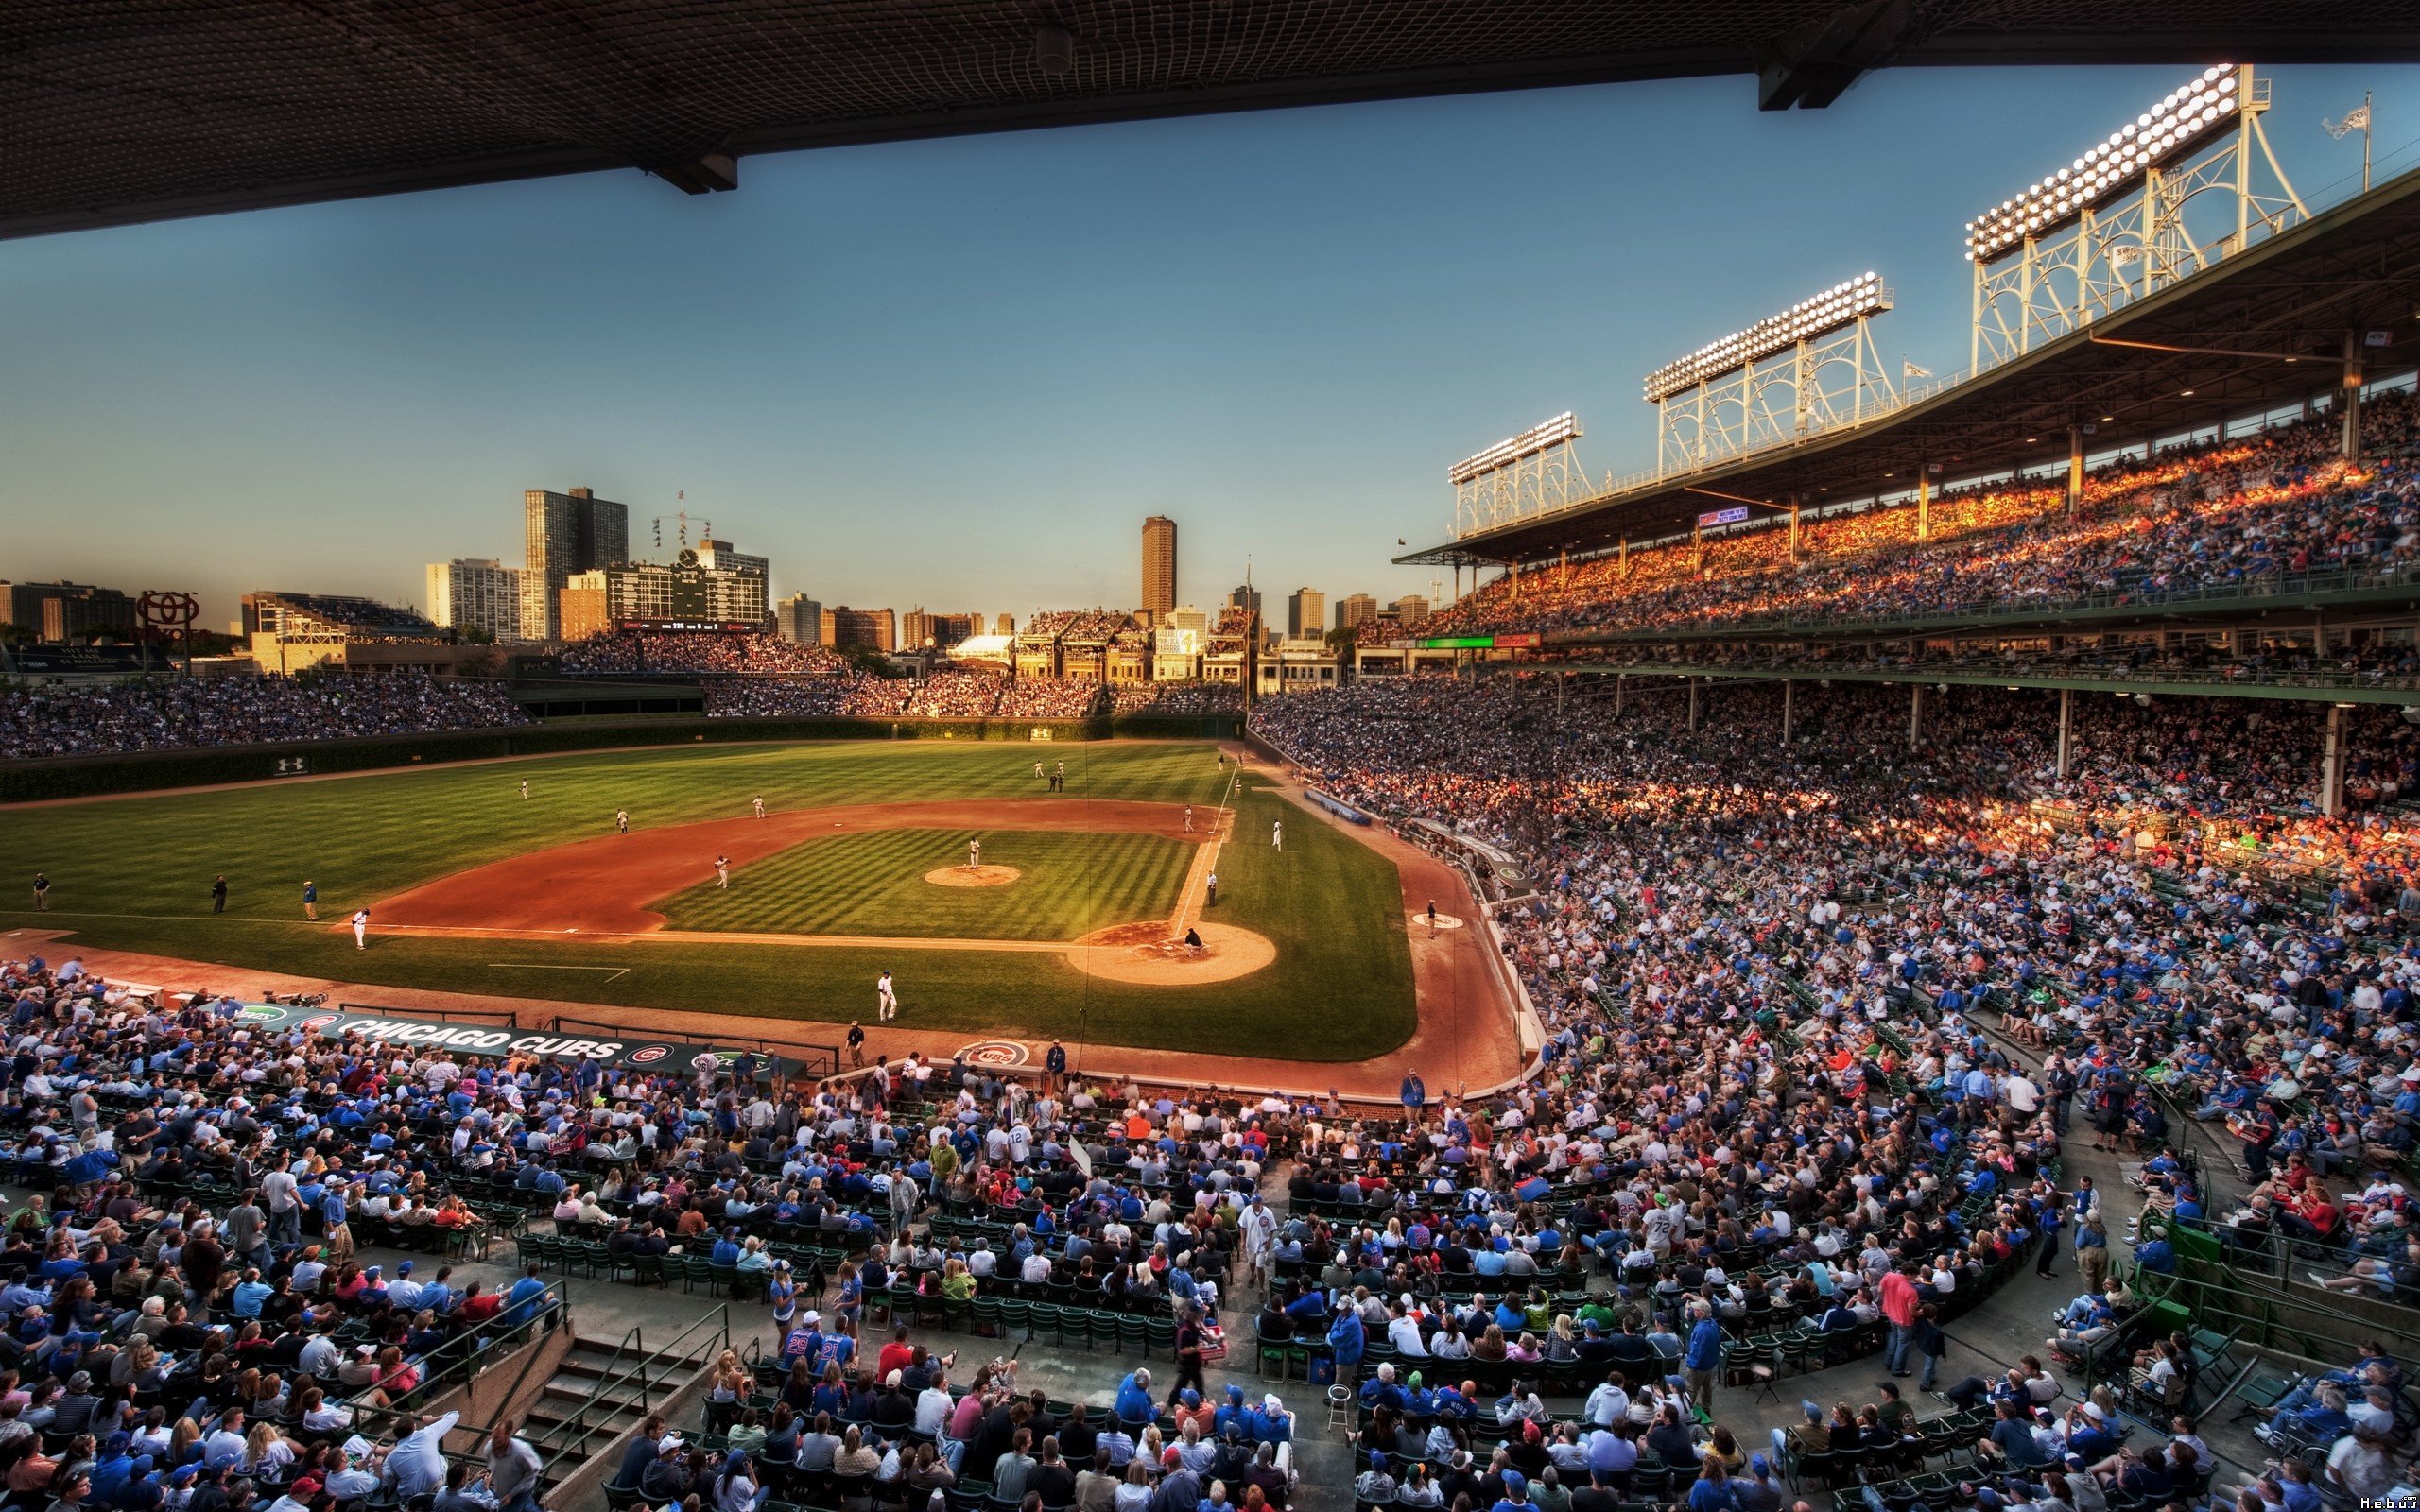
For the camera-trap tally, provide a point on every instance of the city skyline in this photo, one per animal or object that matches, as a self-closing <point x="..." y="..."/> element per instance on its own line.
<point x="1278" y="332"/>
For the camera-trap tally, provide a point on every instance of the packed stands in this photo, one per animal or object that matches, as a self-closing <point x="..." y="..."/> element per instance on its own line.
<point x="630" y="652"/>
<point x="2223" y="514"/>
<point x="187" y="1302"/>
<point x="1177" y="698"/>
<point x="950" y="694"/>
<point x="778" y="697"/>
<point x="1049" y="699"/>
<point x="170" y="714"/>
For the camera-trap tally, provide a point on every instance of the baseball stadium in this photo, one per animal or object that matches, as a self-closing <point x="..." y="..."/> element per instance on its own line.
<point x="1866" y="959"/>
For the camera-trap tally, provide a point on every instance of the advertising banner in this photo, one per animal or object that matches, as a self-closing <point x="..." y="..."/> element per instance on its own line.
<point x="634" y="1052"/>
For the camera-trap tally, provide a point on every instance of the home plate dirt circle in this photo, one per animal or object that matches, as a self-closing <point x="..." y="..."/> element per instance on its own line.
<point x="1148" y="956"/>
<point x="1443" y="921"/>
<point x="983" y="876"/>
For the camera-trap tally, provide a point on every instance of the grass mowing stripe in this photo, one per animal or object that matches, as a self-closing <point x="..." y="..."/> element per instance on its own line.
<point x="1341" y="989"/>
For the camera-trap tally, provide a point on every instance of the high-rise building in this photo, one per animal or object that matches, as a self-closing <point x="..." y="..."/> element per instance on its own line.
<point x="1159" y="564"/>
<point x="1245" y="596"/>
<point x="56" y="614"/>
<point x="713" y="553"/>
<point x="799" y="618"/>
<point x="919" y="627"/>
<point x="1352" y="609"/>
<point x="1305" y="612"/>
<point x="1005" y="625"/>
<point x="877" y="628"/>
<point x="476" y="593"/>
<point x="1185" y="617"/>
<point x="565" y="533"/>
<point x="1411" y="608"/>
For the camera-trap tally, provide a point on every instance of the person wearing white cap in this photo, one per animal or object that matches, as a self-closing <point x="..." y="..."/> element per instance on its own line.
<point x="1258" y="1228"/>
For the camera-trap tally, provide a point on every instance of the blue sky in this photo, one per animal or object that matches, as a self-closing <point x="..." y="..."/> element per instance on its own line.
<point x="960" y="374"/>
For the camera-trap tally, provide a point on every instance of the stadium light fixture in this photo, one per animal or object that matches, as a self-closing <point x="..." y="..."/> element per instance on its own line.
<point x="2186" y="117"/>
<point x="1564" y="427"/>
<point x="1841" y="304"/>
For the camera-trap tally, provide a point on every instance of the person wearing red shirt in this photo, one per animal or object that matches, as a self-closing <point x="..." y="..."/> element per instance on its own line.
<point x="1899" y="1306"/>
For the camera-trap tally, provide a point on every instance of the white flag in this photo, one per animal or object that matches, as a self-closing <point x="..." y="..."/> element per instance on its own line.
<point x="2357" y="120"/>
<point x="1908" y="369"/>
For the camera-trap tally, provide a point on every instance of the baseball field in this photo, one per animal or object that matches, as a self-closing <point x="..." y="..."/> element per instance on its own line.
<point x="1073" y="925"/>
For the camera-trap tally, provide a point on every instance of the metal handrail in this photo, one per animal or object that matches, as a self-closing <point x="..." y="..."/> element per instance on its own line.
<point x="527" y="1330"/>
<point x="633" y="1344"/>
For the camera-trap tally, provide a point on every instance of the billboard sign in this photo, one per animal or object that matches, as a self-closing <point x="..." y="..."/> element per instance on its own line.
<point x="637" y="1052"/>
<point x="1722" y="517"/>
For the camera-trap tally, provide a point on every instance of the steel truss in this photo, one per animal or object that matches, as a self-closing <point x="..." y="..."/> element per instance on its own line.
<point x="2044" y="289"/>
<point x="1547" y="479"/>
<point x="1833" y="379"/>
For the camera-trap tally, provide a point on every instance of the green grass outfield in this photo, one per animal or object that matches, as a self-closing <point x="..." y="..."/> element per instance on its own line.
<point x="1067" y="885"/>
<point x="135" y="873"/>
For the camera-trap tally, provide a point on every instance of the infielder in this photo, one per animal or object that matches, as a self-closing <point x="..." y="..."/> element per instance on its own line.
<point x="886" y="1002"/>
<point x="1037" y="771"/>
<point x="622" y="821"/>
<point x="1277" y="834"/>
<point x="525" y="790"/>
<point x="974" y="856"/>
<point x="1188" y="818"/>
<point x="361" y="929"/>
<point x="722" y="871"/>
<point x="759" y="803"/>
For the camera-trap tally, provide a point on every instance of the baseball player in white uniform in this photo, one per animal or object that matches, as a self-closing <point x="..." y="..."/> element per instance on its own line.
<point x="722" y="871"/>
<point x="974" y="856"/>
<point x="1188" y="818"/>
<point x="759" y="803"/>
<point x="886" y="1002"/>
<point x="525" y="790"/>
<point x="361" y="929"/>
<point x="622" y="821"/>
<point x="1277" y="834"/>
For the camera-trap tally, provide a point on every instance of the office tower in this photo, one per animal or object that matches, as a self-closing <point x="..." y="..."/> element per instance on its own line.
<point x="1355" y="608"/>
<point x="799" y="618"/>
<point x="1159" y="564"/>
<point x="565" y="533"/>
<point x="476" y="593"/>
<point x="1305" y="612"/>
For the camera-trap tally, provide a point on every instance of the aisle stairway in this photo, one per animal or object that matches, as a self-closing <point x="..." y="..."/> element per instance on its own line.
<point x="601" y="1389"/>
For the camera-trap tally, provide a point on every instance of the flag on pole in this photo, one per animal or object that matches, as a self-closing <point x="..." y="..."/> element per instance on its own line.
<point x="2357" y="119"/>
<point x="1908" y="369"/>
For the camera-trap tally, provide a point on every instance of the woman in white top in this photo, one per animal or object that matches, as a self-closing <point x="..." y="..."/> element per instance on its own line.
<point x="1134" y="1492"/>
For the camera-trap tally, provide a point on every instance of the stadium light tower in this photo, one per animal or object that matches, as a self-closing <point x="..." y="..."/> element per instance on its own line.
<point x="1530" y="473"/>
<point x="2112" y="225"/>
<point x="1810" y="367"/>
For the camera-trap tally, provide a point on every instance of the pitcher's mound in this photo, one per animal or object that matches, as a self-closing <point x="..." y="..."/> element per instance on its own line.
<point x="1147" y="955"/>
<point x="986" y="876"/>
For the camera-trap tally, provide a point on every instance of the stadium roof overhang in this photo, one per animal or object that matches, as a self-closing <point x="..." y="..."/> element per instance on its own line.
<point x="120" y="113"/>
<point x="2214" y="345"/>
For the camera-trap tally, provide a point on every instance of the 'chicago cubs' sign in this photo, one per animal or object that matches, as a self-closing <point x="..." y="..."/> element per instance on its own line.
<point x="647" y="1055"/>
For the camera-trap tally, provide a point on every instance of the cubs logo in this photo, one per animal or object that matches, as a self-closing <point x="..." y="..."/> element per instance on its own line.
<point x="650" y="1054"/>
<point x="320" y="1020"/>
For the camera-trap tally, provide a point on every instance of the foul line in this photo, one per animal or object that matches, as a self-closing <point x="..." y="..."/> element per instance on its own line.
<point x="1205" y="859"/>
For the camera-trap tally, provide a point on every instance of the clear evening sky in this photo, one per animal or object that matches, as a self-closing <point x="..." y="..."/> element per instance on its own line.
<point x="959" y="373"/>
